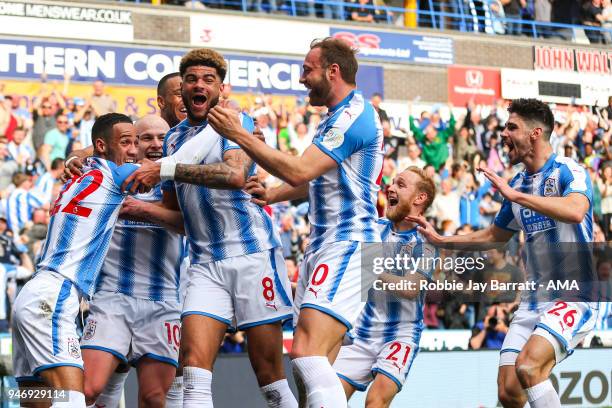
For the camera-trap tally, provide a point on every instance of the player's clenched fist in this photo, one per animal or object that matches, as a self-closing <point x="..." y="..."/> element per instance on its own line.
<point x="143" y="179"/>
<point x="225" y="121"/>
<point x="257" y="191"/>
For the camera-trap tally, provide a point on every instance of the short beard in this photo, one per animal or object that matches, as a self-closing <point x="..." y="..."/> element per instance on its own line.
<point x="320" y="92"/>
<point x="399" y="212"/>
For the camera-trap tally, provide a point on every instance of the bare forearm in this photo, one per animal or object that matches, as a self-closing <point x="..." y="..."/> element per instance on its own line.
<point x="564" y="209"/>
<point x="26" y="262"/>
<point x="164" y="217"/>
<point x="486" y="238"/>
<point x="275" y="162"/>
<point x="217" y="175"/>
<point x="286" y="192"/>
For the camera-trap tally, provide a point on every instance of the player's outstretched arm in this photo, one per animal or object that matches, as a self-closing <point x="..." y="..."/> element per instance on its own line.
<point x="570" y="209"/>
<point x="264" y="196"/>
<point x="232" y="173"/>
<point x="293" y="170"/>
<point x="490" y="237"/>
<point x="165" y="214"/>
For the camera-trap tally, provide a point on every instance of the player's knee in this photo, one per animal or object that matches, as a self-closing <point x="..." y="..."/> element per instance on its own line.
<point x="376" y="400"/>
<point x="92" y="391"/>
<point x="528" y="370"/>
<point x="153" y="398"/>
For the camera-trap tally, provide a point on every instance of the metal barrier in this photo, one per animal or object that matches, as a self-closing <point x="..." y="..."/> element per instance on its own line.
<point x="478" y="16"/>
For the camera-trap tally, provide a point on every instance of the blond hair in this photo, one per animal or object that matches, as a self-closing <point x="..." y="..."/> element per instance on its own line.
<point x="425" y="185"/>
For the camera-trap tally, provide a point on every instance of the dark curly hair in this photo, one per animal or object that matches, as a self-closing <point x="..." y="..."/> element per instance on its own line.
<point x="534" y="111"/>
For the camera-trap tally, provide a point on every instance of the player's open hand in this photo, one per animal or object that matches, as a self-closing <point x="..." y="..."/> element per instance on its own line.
<point x="225" y="121"/>
<point x="499" y="183"/>
<point x="257" y="191"/>
<point x="426" y="229"/>
<point x="143" y="179"/>
<point x="131" y="208"/>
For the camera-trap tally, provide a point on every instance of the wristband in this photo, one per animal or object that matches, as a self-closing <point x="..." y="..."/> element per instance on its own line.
<point x="67" y="162"/>
<point x="167" y="170"/>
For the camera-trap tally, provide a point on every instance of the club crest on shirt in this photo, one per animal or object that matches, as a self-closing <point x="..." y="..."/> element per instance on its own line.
<point x="332" y="139"/>
<point x="74" y="349"/>
<point x="550" y="187"/>
<point x="90" y="329"/>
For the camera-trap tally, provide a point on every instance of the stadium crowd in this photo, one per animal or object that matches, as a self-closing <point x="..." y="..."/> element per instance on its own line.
<point x="449" y="144"/>
<point x="509" y="17"/>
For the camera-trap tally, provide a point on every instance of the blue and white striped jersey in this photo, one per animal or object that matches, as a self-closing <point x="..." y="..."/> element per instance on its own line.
<point x="218" y="223"/>
<point x="82" y="223"/>
<point x="143" y="259"/>
<point x="547" y="253"/>
<point x="386" y="315"/>
<point x="19" y="207"/>
<point x="44" y="186"/>
<point x="343" y="200"/>
<point x="9" y="271"/>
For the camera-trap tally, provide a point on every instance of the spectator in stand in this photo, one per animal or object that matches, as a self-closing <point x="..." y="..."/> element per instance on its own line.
<point x="465" y="145"/>
<point x="497" y="158"/>
<point x="20" y="110"/>
<point x="469" y="204"/>
<point x="363" y="11"/>
<point x="22" y="153"/>
<point x="592" y="16"/>
<point x="266" y="121"/>
<point x="375" y="101"/>
<point x="20" y="204"/>
<point x="44" y="121"/>
<point x="101" y="102"/>
<point x="434" y="143"/>
<point x="56" y="142"/>
<point x="83" y="121"/>
<point x="412" y="158"/>
<point x="488" y="209"/>
<point x="605" y="187"/>
<point x="490" y="333"/>
<point x="333" y="9"/>
<point x="446" y="204"/>
<point x="45" y="183"/>
<point x="8" y="121"/>
<point x="512" y="10"/>
<point x="299" y="137"/>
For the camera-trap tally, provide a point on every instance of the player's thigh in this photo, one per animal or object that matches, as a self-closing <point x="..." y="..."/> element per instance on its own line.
<point x="381" y="392"/>
<point x="201" y="338"/>
<point x="157" y="332"/>
<point x="64" y="378"/>
<point x="209" y="293"/>
<point x="99" y="365"/>
<point x="317" y="334"/>
<point x="27" y="387"/>
<point x="109" y="327"/>
<point x="260" y="288"/>
<point x="564" y="325"/>
<point x="535" y="362"/>
<point x="353" y="366"/>
<point x="154" y="381"/>
<point x="334" y="282"/>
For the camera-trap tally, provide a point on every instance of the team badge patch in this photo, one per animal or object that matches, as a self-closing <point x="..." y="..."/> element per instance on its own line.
<point x="332" y="139"/>
<point x="90" y="329"/>
<point x="74" y="349"/>
<point x="550" y="187"/>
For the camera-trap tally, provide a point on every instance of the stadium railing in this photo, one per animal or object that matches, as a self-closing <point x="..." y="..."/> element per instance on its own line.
<point x="478" y="16"/>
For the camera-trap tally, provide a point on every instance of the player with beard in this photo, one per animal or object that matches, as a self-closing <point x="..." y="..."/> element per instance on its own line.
<point x="235" y="254"/>
<point x="387" y="333"/>
<point x="551" y="202"/>
<point x="135" y="311"/>
<point x="339" y="173"/>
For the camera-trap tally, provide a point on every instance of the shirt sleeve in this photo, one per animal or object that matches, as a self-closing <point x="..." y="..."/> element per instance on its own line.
<point x="505" y="217"/>
<point x="573" y="178"/>
<point x="339" y="143"/>
<point x="248" y="124"/>
<point x="122" y="172"/>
